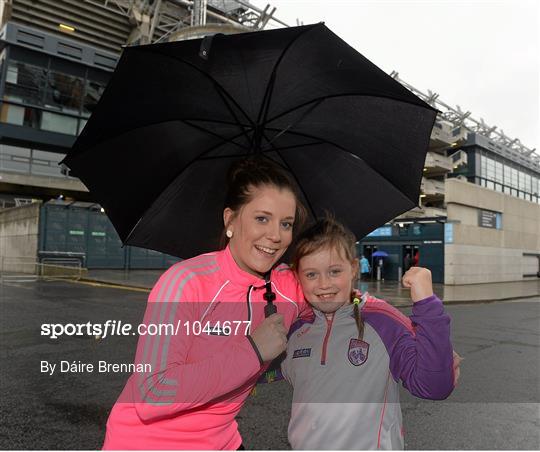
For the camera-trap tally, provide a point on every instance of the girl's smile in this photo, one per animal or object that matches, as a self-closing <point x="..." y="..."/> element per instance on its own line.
<point x="327" y="278"/>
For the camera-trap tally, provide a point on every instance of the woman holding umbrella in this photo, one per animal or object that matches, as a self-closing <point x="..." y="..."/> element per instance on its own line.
<point x="199" y="378"/>
<point x="169" y="123"/>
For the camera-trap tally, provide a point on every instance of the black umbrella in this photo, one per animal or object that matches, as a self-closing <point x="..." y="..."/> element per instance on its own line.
<point x="174" y="116"/>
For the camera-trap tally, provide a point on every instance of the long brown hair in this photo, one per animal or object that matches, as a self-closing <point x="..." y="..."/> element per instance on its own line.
<point x="330" y="234"/>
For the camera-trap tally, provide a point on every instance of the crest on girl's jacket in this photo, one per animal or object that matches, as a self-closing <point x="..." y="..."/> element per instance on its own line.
<point x="358" y="352"/>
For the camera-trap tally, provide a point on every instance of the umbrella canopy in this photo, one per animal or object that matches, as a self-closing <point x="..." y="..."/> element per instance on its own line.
<point x="380" y="254"/>
<point x="174" y="117"/>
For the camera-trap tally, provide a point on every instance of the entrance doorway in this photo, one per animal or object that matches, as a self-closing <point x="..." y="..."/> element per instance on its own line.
<point x="368" y="254"/>
<point x="408" y="254"/>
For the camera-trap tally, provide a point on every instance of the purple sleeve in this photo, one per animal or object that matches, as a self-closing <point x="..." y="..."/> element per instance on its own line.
<point x="422" y="361"/>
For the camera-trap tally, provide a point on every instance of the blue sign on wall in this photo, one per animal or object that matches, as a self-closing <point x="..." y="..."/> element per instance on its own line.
<point x="384" y="231"/>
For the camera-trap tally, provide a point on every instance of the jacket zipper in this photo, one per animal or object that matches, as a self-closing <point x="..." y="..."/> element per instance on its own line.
<point x="248" y="300"/>
<point x="325" y="342"/>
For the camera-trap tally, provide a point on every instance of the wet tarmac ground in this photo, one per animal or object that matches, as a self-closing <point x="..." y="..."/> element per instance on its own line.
<point x="495" y="406"/>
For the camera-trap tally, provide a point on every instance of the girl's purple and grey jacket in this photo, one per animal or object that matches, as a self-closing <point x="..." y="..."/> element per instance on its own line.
<point x="346" y="390"/>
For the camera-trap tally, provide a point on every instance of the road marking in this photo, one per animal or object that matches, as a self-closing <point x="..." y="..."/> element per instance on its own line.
<point x="20" y="286"/>
<point x="110" y="286"/>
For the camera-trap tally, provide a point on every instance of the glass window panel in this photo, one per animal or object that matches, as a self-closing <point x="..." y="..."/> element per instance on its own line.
<point x="53" y="91"/>
<point x="514" y="180"/>
<point x="521" y="177"/>
<point x="528" y="183"/>
<point x="82" y="123"/>
<point x="59" y="123"/>
<point x="506" y="190"/>
<point x="63" y="91"/>
<point x="13" y="114"/>
<point x="12" y="73"/>
<point x="20" y="115"/>
<point x="26" y="82"/>
<point x="490" y="167"/>
<point x="490" y="185"/>
<point x="498" y="171"/>
<point x="92" y="94"/>
<point x="507" y="175"/>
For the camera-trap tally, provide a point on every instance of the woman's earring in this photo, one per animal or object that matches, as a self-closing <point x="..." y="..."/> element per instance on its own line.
<point x="229" y="234"/>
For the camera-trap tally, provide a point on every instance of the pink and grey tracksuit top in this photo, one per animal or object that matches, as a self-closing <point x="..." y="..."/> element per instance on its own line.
<point x="201" y="374"/>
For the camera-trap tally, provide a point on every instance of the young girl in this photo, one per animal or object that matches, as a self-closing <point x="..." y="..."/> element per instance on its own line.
<point x="345" y="365"/>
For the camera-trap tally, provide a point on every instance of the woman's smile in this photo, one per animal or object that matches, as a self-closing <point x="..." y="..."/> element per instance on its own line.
<point x="269" y="252"/>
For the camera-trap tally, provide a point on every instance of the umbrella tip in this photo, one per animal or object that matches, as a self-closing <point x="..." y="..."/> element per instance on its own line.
<point x="206" y="43"/>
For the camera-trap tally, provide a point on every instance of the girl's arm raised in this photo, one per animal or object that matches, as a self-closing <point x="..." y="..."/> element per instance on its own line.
<point x="419" y="347"/>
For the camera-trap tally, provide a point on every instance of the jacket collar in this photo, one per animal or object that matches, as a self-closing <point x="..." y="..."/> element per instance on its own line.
<point x="346" y="311"/>
<point x="234" y="273"/>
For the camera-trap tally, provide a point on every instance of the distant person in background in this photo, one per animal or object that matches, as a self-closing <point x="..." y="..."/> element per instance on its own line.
<point x="416" y="258"/>
<point x="380" y="264"/>
<point x="364" y="267"/>
<point x="407" y="262"/>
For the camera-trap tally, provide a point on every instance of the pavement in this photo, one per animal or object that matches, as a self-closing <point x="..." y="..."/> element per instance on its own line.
<point x="390" y="291"/>
<point x="496" y="405"/>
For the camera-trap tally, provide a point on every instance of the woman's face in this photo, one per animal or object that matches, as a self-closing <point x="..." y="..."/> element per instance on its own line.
<point x="262" y="229"/>
<point x="327" y="279"/>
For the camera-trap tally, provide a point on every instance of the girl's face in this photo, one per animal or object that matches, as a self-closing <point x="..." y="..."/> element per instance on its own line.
<point x="262" y="229"/>
<point x="327" y="279"/>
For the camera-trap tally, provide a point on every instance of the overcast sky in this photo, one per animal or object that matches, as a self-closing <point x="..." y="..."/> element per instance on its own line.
<point x="481" y="55"/>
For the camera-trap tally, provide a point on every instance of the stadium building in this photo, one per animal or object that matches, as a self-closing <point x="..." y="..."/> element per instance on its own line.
<point x="477" y="219"/>
<point x="478" y="216"/>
